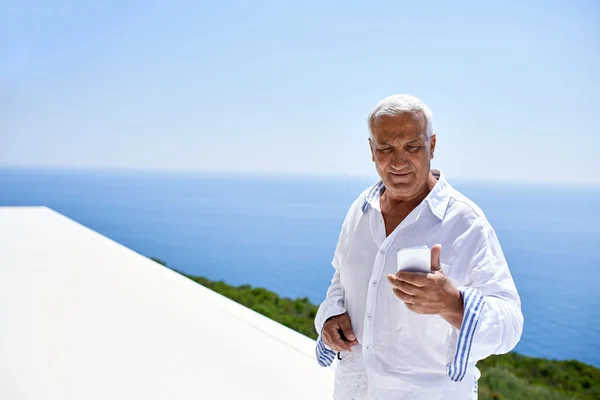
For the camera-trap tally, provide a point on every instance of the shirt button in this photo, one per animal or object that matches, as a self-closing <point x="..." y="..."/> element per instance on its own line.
<point x="374" y="283"/>
<point x="382" y="252"/>
<point x="369" y="316"/>
<point x="368" y="347"/>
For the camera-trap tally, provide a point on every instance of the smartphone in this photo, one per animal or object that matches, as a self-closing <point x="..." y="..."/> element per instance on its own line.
<point x="414" y="259"/>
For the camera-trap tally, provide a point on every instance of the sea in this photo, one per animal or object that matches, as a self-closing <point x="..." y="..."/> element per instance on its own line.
<point x="280" y="232"/>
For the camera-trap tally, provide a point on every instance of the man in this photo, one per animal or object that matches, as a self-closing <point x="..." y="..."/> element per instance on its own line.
<point x="411" y="335"/>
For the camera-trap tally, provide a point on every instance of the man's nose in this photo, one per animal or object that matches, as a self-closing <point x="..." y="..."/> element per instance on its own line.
<point x="399" y="159"/>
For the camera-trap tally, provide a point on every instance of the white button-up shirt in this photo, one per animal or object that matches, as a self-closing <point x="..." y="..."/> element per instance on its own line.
<point x="401" y="354"/>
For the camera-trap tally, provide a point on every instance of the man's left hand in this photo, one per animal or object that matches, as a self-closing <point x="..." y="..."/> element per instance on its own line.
<point x="430" y="293"/>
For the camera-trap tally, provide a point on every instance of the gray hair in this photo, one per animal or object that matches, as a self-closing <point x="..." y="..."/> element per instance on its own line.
<point x="402" y="103"/>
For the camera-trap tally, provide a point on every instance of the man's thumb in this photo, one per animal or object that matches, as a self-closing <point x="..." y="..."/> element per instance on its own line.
<point x="347" y="329"/>
<point x="436" y="252"/>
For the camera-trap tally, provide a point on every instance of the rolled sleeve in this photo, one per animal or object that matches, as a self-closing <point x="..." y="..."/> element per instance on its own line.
<point x="492" y="321"/>
<point x="462" y="341"/>
<point x="324" y="354"/>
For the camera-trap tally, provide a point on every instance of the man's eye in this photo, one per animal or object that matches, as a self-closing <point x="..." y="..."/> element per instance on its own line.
<point x="386" y="150"/>
<point x="413" y="148"/>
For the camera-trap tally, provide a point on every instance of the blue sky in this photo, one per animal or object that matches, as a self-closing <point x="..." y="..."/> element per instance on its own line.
<point x="286" y="87"/>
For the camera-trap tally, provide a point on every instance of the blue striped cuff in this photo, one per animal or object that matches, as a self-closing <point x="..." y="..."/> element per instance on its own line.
<point x="325" y="356"/>
<point x="473" y="301"/>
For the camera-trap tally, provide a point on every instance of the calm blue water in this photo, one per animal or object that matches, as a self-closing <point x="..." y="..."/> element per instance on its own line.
<point x="280" y="233"/>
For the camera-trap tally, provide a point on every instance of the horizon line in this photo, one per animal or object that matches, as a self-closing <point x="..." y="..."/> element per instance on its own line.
<point x="274" y="174"/>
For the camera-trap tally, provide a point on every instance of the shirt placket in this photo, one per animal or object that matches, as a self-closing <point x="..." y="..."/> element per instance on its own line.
<point x="374" y="283"/>
<point x="372" y="291"/>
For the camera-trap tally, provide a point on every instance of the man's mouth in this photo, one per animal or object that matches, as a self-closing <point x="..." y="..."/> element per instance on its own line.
<point x="400" y="174"/>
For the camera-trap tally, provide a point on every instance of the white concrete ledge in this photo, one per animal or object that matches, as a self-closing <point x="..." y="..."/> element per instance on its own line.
<point x="82" y="317"/>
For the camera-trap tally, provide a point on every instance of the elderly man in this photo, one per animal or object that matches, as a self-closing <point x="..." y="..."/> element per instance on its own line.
<point x="414" y="335"/>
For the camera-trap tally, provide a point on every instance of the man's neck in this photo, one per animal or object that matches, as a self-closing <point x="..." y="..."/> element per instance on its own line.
<point x="411" y="202"/>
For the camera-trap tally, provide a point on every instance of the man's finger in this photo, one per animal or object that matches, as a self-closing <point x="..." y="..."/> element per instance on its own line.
<point x="339" y="344"/>
<point x="336" y="342"/>
<point x="436" y="252"/>
<point x="346" y="327"/>
<point x="326" y="340"/>
<point x="406" y="298"/>
<point x="414" y="278"/>
<point x="404" y="286"/>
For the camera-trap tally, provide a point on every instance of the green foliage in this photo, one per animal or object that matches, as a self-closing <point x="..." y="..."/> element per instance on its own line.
<point x="506" y="377"/>
<point x="499" y="383"/>
<point x="158" y="260"/>
<point x="567" y="379"/>
<point x="296" y="314"/>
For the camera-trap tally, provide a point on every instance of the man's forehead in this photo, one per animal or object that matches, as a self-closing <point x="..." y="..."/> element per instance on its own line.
<point x="404" y="133"/>
<point x="403" y="137"/>
<point x="402" y="124"/>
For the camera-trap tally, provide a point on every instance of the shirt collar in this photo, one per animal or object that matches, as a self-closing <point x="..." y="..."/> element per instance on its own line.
<point x="373" y="195"/>
<point x="437" y="199"/>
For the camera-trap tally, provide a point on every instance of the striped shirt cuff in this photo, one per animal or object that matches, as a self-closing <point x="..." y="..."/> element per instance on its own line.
<point x="325" y="356"/>
<point x="473" y="301"/>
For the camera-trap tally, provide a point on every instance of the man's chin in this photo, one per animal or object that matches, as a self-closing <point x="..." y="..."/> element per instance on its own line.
<point x="399" y="189"/>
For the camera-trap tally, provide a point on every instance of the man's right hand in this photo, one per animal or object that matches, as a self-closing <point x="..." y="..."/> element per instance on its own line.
<point x="335" y="330"/>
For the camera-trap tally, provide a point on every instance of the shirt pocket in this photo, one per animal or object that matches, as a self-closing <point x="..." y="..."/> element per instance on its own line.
<point x="349" y="363"/>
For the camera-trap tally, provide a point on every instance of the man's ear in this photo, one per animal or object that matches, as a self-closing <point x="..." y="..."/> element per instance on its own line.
<point x="432" y="142"/>
<point x="371" y="148"/>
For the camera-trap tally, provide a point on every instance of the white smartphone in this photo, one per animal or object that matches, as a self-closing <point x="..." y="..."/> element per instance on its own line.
<point x="414" y="259"/>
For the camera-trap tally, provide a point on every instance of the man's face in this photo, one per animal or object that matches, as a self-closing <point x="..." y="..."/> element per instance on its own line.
<point x="402" y="153"/>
